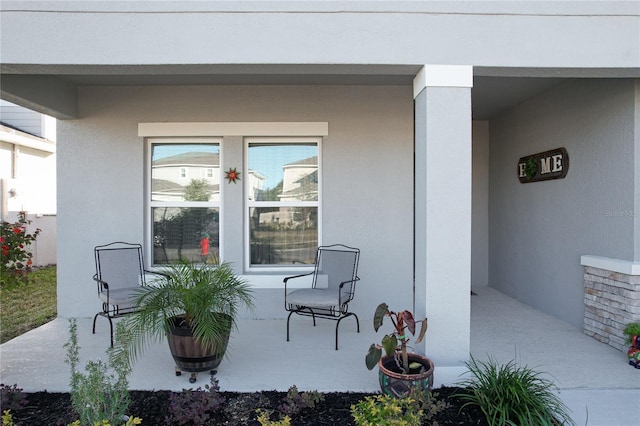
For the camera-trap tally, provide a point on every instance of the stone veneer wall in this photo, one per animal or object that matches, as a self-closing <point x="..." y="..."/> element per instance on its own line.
<point x="612" y="300"/>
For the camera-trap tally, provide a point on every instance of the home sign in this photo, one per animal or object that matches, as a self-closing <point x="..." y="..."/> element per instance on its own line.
<point x="546" y="165"/>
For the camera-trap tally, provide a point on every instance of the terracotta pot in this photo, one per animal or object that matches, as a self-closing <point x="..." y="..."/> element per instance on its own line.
<point x="189" y="355"/>
<point x="397" y="384"/>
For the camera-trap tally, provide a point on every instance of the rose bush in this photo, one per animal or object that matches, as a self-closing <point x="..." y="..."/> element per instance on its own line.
<point x="15" y="256"/>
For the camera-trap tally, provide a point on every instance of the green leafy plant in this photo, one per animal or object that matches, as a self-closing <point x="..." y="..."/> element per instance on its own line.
<point x="99" y="396"/>
<point x="194" y="406"/>
<point x="7" y="418"/>
<point x="264" y="418"/>
<point x="395" y="343"/>
<point x="204" y="298"/>
<point x="131" y="421"/>
<point x="385" y="410"/>
<point x="15" y="257"/>
<point x="632" y="329"/>
<point x="512" y="395"/>
<point x="428" y="403"/>
<point x="296" y="401"/>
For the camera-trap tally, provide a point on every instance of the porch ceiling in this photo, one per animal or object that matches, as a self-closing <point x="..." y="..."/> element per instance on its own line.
<point x="51" y="89"/>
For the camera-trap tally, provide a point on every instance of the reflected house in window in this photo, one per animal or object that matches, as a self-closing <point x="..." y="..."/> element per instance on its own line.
<point x="185" y="202"/>
<point x="255" y="185"/>
<point x="299" y="183"/>
<point x="173" y="175"/>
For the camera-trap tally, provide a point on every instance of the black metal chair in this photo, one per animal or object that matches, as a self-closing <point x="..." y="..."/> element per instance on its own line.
<point x="333" y="287"/>
<point x="120" y="276"/>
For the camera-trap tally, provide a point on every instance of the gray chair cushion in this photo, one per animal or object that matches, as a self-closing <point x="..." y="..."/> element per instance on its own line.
<point x="123" y="297"/>
<point x="313" y="297"/>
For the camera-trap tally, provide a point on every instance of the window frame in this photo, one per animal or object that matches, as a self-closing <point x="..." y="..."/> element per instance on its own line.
<point x="249" y="204"/>
<point x="150" y="204"/>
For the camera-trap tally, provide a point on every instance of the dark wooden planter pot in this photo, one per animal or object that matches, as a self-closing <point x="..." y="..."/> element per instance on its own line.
<point x="394" y="383"/>
<point x="189" y="355"/>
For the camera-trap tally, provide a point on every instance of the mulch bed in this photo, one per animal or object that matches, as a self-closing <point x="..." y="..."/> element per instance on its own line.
<point x="45" y="408"/>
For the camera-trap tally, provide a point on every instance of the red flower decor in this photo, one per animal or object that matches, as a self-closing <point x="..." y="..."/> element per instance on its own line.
<point x="232" y="175"/>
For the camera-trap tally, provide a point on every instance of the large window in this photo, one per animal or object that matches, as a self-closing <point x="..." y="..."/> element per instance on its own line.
<point x="282" y="191"/>
<point x="185" y="200"/>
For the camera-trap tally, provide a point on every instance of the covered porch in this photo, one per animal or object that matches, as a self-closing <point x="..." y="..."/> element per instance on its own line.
<point x="593" y="379"/>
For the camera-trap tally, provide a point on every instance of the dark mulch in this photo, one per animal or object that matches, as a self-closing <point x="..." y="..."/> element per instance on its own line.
<point x="45" y="408"/>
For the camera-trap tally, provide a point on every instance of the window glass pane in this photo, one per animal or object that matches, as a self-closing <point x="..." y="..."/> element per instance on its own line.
<point x="285" y="172"/>
<point x="283" y="235"/>
<point x="185" y="172"/>
<point x="189" y="233"/>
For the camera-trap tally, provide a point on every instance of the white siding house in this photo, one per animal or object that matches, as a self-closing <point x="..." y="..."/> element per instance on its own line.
<point x="419" y="113"/>
<point x="28" y="175"/>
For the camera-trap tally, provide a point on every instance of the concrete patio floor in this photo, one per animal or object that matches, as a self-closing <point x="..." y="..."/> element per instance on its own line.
<point x="593" y="379"/>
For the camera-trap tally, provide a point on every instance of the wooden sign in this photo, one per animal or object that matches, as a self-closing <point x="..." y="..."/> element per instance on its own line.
<point x="546" y="165"/>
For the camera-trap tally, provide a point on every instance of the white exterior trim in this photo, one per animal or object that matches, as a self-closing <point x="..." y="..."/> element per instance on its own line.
<point x="16" y="137"/>
<point x="442" y="76"/>
<point x="253" y="203"/>
<point x="609" y="264"/>
<point x="234" y="129"/>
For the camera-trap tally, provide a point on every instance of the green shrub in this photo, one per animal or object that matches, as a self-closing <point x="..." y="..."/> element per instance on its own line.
<point x="296" y="401"/>
<point x="264" y="418"/>
<point x="512" y="395"/>
<point x="7" y="418"/>
<point x="385" y="410"/>
<point x="15" y="257"/>
<point x="428" y="403"/>
<point x="632" y="329"/>
<point x="99" y="397"/>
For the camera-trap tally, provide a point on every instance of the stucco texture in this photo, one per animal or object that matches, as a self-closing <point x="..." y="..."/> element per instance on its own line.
<point x="538" y="231"/>
<point x="367" y="166"/>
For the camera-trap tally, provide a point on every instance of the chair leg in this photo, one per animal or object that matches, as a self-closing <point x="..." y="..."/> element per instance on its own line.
<point x="111" y="329"/>
<point x="288" y="318"/>
<point x="338" y="324"/>
<point x="94" y="322"/>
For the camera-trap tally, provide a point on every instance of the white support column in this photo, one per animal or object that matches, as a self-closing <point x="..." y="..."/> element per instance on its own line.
<point x="442" y="96"/>
<point x="636" y="203"/>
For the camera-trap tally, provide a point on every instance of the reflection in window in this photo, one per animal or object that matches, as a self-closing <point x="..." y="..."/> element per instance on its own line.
<point x="172" y="163"/>
<point x="185" y="212"/>
<point x="282" y="195"/>
<point x="185" y="233"/>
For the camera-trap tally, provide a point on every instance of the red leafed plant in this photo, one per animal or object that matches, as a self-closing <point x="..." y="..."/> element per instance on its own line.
<point x="395" y="343"/>
<point x="15" y="257"/>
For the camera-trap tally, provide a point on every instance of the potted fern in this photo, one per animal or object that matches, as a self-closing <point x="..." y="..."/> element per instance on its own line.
<point x="399" y="370"/>
<point x="195" y="306"/>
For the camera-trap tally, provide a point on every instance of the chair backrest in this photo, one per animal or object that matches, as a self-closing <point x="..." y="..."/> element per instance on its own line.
<point x="337" y="264"/>
<point x="120" y="265"/>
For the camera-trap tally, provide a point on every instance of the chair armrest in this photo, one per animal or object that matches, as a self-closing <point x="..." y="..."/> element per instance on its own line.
<point x="349" y="281"/>
<point x="295" y="276"/>
<point x="101" y="283"/>
<point x="156" y="273"/>
<point x="291" y="278"/>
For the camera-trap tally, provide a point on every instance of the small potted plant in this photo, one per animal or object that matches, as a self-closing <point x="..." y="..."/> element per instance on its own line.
<point x="632" y="333"/>
<point x="195" y="306"/>
<point x="632" y="329"/>
<point x="399" y="370"/>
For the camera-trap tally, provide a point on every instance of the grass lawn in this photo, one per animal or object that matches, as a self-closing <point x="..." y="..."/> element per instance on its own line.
<point x="28" y="306"/>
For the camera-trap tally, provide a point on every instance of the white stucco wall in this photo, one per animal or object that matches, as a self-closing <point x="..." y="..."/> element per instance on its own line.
<point x="486" y="33"/>
<point x="480" y="204"/>
<point x="538" y="231"/>
<point x="370" y="145"/>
